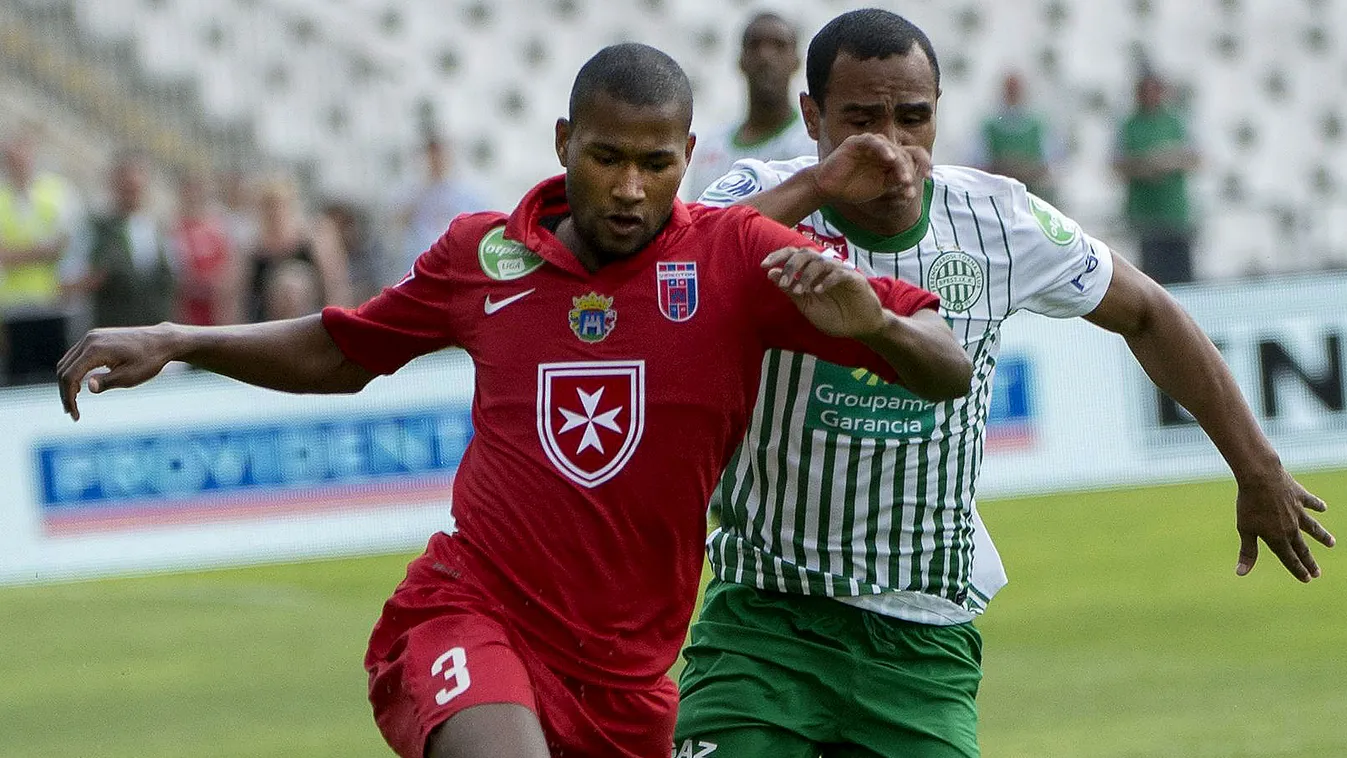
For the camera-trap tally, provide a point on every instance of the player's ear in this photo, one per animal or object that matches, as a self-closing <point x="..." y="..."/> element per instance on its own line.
<point x="810" y="111"/>
<point x="692" y="142"/>
<point x="563" y="139"/>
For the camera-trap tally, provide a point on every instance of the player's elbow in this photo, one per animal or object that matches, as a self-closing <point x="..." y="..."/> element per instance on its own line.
<point x="943" y="370"/>
<point x="953" y="377"/>
<point x="347" y="379"/>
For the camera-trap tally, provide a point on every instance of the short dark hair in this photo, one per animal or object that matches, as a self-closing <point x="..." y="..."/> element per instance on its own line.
<point x="862" y="34"/>
<point x="632" y="73"/>
<point x="758" y="18"/>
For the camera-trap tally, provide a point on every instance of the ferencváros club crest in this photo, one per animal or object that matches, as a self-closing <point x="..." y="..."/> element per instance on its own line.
<point x="677" y="289"/>
<point x="590" y="416"/>
<point x="957" y="278"/>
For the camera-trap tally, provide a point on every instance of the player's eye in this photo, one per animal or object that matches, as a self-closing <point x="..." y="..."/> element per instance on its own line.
<point x="605" y="160"/>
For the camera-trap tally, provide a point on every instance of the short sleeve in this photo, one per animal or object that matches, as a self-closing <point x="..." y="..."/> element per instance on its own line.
<point x="409" y="319"/>
<point x="1057" y="269"/>
<point x="782" y="326"/>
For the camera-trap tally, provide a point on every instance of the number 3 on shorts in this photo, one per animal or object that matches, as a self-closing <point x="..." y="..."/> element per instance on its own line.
<point x="456" y="672"/>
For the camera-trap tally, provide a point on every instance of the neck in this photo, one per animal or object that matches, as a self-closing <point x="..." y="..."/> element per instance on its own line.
<point x="885" y="222"/>
<point x="765" y="116"/>
<point x="589" y="257"/>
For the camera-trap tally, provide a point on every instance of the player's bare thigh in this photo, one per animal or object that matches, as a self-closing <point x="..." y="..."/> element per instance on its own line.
<point x="489" y="729"/>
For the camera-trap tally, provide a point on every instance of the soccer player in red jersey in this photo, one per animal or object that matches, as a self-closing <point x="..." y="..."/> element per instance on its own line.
<point x="618" y="338"/>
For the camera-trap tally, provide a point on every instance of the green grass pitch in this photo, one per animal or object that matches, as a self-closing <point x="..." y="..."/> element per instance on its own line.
<point x="1124" y="632"/>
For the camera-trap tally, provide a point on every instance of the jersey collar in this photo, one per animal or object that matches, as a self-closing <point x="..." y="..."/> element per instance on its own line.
<point x="904" y="240"/>
<point x="547" y="199"/>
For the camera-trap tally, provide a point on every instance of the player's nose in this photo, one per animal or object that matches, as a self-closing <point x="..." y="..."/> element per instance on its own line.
<point x="630" y="186"/>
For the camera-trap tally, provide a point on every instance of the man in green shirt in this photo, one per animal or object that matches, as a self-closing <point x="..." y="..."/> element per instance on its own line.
<point x="1155" y="155"/>
<point x="1017" y="141"/>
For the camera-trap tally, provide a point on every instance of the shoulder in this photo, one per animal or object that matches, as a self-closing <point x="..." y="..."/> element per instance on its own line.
<point x="750" y="176"/>
<point x="974" y="181"/>
<point x="714" y="218"/>
<point x="1030" y="219"/>
<point x="473" y="236"/>
<point x="714" y="228"/>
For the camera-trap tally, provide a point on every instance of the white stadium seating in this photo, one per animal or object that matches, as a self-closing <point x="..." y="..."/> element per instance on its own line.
<point x="346" y="86"/>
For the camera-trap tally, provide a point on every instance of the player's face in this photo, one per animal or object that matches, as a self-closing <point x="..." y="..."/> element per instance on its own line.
<point x="768" y="57"/>
<point x="894" y="97"/>
<point x="623" y="166"/>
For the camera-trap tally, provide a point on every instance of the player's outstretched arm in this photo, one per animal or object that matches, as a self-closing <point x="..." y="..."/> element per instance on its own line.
<point x="862" y="168"/>
<point x="839" y="300"/>
<point x="1179" y="358"/>
<point x="295" y="355"/>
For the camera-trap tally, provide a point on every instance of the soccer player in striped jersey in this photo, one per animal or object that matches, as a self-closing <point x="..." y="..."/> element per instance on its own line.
<point x="850" y="561"/>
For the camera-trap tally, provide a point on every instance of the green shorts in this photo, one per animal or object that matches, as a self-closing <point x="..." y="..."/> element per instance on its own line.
<point x="794" y="676"/>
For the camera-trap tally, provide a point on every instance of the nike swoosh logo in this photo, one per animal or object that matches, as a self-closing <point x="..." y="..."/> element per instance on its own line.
<point x="491" y="307"/>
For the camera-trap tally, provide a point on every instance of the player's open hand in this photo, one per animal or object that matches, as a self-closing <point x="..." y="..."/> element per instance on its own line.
<point x="1278" y="513"/>
<point x="131" y="355"/>
<point x="866" y="166"/>
<point x="833" y="295"/>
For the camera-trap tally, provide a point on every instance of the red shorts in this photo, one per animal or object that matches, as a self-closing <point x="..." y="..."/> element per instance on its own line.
<point x="441" y="646"/>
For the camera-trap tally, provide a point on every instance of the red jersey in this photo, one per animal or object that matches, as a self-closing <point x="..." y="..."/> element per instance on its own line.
<point x="606" y="406"/>
<point x="203" y="252"/>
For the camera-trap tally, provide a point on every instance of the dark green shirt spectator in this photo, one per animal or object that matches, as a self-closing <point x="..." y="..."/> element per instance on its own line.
<point x="1157" y="198"/>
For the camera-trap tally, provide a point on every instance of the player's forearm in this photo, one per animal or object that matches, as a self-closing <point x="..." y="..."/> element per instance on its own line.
<point x="295" y="355"/>
<point x="792" y="201"/>
<point x="1183" y="362"/>
<point x="925" y="354"/>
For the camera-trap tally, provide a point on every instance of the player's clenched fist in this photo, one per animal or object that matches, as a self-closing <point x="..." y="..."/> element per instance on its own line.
<point x="867" y="166"/>
<point x="131" y="355"/>
<point x="833" y="295"/>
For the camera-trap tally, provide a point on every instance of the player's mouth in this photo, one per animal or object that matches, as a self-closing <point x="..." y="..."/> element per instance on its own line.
<point x="624" y="224"/>
<point x="892" y="198"/>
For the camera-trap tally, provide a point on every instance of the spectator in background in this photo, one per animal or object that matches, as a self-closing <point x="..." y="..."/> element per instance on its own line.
<point x="772" y="129"/>
<point x="1155" y="154"/>
<point x="291" y="291"/>
<point x="238" y="209"/>
<point x="424" y="213"/>
<point x="363" y="252"/>
<point x="207" y="294"/>
<point x="1016" y="141"/>
<point x="38" y="215"/>
<point x="123" y="261"/>
<point x="284" y="236"/>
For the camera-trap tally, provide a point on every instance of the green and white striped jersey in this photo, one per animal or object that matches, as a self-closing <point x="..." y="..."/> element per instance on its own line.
<point x="851" y="488"/>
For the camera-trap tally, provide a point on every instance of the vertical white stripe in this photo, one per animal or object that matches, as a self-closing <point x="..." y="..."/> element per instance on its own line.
<point x="836" y="538"/>
<point x="815" y="505"/>
<point x="907" y="504"/>
<point x="862" y="506"/>
<point x="794" y="437"/>
<point x="768" y="482"/>
<point x="885" y="464"/>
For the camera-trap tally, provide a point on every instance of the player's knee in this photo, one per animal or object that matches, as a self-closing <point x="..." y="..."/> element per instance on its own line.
<point x="492" y="729"/>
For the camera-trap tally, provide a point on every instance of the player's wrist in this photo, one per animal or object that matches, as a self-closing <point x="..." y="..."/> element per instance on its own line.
<point x="174" y="340"/>
<point x="1263" y="470"/>
<point x="880" y="330"/>
<point x="816" y="193"/>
